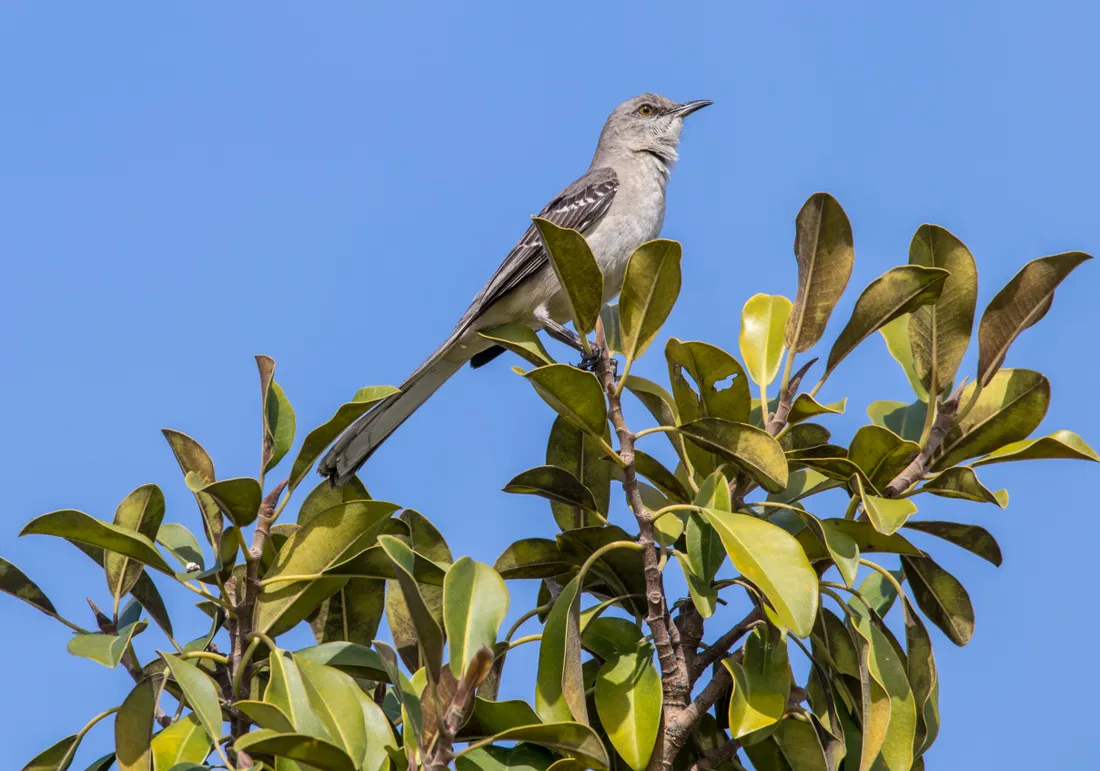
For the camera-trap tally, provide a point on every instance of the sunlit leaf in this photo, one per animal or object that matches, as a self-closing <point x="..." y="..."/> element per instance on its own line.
<point x="141" y="512"/>
<point x="428" y="631"/>
<point x="475" y="602"/>
<point x="577" y="271"/>
<point x="806" y="407"/>
<point x="572" y="449"/>
<point x="628" y="700"/>
<point x="238" y="499"/>
<point x="105" y="649"/>
<point x="881" y="453"/>
<point x="710" y="368"/>
<point x="554" y="484"/>
<point x="867" y="538"/>
<point x="425" y="540"/>
<point x="279" y="424"/>
<point x="896" y="335"/>
<point x="14" y="581"/>
<point x="573" y="740"/>
<point x="200" y="692"/>
<point x="763" y="321"/>
<point x="905" y="420"/>
<point x="185" y="741"/>
<point x="574" y="394"/>
<point x="761" y="682"/>
<point x="886" y="514"/>
<point x="530" y="558"/>
<point x="559" y="686"/>
<point x="650" y="287"/>
<point x="134" y="727"/>
<point x="748" y="447"/>
<point x="314" y="752"/>
<point x="961" y="482"/>
<point x="194" y="461"/>
<point x="1064" y="445"/>
<point x="78" y="526"/>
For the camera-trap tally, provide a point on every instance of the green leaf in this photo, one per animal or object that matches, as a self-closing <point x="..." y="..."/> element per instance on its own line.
<point x="665" y="481"/>
<point x="708" y="366"/>
<point x="794" y="744"/>
<point x="134" y="726"/>
<point x="429" y="635"/>
<point x="923" y="678"/>
<point x="804" y="436"/>
<point x="1022" y="302"/>
<point x="201" y="694"/>
<point x="650" y="288"/>
<point x="748" y="447"/>
<point x="905" y="420"/>
<point x="574" y="394"/>
<point x="961" y="482"/>
<point x="14" y="581"/>
<point x="286" y="690"/>
<point x="877" y="591"/>
<point x="141" y="511"/>
<point x="314" y="752"/>
<point x="772" y="559"/>
<point x="1062" y="444"/>
<point x="56" y="757"/>
<point x="867" y="538"/>
<point x="179" y="542"/>
<point x="77" y="526"/>
<point x="824" y="251"/>
<point x="888" y="670"/>
<point x="520" y="340"/>
<point x="321" y="437"/>
<point x="475" y="602"/>
<point x="425" y="540"/>
<point x="886" y="514"/>
<point x="555" y="484"/>
<point x="881" y="454"/>
<point x="939" y="333"/>
<point x="571" y="449"/>
<point x="896" y="335"/>
<point x="353" y="613"/>
<point x="802" y="484"/>
<point x="334" y="698"/>
<point x="942" y="598"/>
<point x="328" y="539"/>
<point x="763" y="321"/>
<point x="263" y="714"/>
<point x="279" y="424"/>
<point x="194" y="461"/>
<point x="705" y="552"/>
<point x="577" y="271"/>
<point x="896" y="292"/>
<point x="609" y="637"/>
<point x="103" y="763"/>
<point x="356" y="660"/>
<point x="380" y="739"/>
<point x="324" y="496"/>
<point x="530" y="558"/>
<point x="238" y="499"/>
<point x="492" y="717"/>
<point x="628" y="700"/>
<point x="185" y="741"/>
<point x="411" y="709"/>
<point x="973" y="538"/>
<point x="761" y="683"/>
<point x="573" y="740"/>
<point x="612" y="329"/>
<point x="105" y="649"/>
<point x="559" y="687"/>
<point x="842" y="548"/>
<point x="1007" y="410"/>
<point x="806" y="407"/>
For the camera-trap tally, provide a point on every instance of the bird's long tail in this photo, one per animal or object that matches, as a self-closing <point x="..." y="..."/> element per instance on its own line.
<point x="367" y="434"/>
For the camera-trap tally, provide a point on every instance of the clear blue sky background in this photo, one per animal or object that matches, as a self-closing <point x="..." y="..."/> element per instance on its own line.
<point x="184" y="187"/>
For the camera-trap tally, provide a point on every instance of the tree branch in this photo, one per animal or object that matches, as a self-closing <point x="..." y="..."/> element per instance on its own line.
<point x="678" y="730"/>
<point x="912" y="473"/>
<point x="723" y="644"/>
<point x="719" y="756"/>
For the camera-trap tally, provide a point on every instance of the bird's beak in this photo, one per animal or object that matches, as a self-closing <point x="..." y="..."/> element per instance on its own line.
<point x="687" y="108"/>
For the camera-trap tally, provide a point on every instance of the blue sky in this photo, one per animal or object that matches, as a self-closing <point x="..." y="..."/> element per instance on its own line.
<point x="330" y="185"/>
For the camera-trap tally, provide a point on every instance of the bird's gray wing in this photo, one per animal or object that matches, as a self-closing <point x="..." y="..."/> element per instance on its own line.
<point x="579" y="207"/>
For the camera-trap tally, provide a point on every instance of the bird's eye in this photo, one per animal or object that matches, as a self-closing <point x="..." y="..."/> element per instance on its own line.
<point x="645" y="109"/>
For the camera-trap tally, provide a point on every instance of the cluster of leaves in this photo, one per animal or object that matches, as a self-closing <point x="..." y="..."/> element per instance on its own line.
<point x="751" y="481"/>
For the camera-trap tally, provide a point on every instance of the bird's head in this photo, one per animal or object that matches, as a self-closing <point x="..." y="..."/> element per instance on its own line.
<point x="649" y="123"/>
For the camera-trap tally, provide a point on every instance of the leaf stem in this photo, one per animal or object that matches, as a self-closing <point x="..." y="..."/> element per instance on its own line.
<point x="764" y="416"/>
<point x="656" y="429"/>
<point x="885" y="574"/>
<point x="853" y="505"/>
<point x="68" y="758"/>
<point x="525" y="618"/>
<point x="246" y="657"/>
<point x="205" y="655"/>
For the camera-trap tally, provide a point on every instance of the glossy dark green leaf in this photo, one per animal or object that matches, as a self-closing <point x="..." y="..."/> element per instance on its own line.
<point x="238" y="499"/>
<point x="185" y="741"/>
<point x="905" y="420"/>
<point x="14" y="581"/>
<point x="772" y="559"/>
<point x="475" y="602"/>
<point x="324" y="496"/>
<point x="761" y="682"/>
<point x="200" y="692"/>
<point x="77" y="526"/>
<point x="428" y="631"/>
<point x="806" y="407"/>
<point x="134" y="727"/>
<point x="896" y="335"/>
<point x="896" y="292"/>
<point x="923" y="678"/>
<point x="881" y="453"/>
<point x="103" y="763"/>
<point x="886" y="514"/>
<point x="314" y="752"/>
<point x="628" y="700"/>
<point x="974" y="538"/>
<point x="559" y="686"/>
<point x="665" y="481"/>
<point x="530" y="558"/>
<point x="650" y="288"/>
<point x="867" y="538"/>
<point x="710" y="368"/>
<point x="554" y="484"/>
<point x="763" y="324"/>
<point x="328" y="539"/>
<point x="520" y="340"/>
<point x="142" y="512"/>
<point x="577" y="271"/>
<point x="942" y="598"/>
<point x="352" y="614"/>
<point x="263" y="714"/>
<point x="1008" y="409"/>
<point x="195" y="463"/>
<point x="574" y="394"/>
<point x="1064" y="445"/>
<point x="575" y="451"/>
<point x="574" y="740"/>
<point x="961" y="482"/>
<point x="321" y="437"/>
<point x="1022" y="302"/>
<point x="939" y="333"/>
<point x="279" y="425"/>
<point x="105" y="649"/>
<point x="824" y="251"/>
<point x="748" y="447"/>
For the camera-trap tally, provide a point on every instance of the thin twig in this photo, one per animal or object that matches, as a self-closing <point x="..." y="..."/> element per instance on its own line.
<point x="724" y="643"/>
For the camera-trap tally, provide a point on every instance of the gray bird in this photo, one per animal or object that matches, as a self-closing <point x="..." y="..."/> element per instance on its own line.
<point x="617" y="205"/>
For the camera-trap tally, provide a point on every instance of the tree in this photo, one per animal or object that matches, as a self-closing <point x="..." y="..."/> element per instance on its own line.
<point x="749" y="472"/>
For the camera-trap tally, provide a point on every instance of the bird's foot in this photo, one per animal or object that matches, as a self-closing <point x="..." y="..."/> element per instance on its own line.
<point x="590" y="361"/>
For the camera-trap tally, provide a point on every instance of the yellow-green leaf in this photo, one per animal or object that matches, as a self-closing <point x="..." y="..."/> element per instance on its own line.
<point x="574" y="740"/>
<point x="896" y="335"/>
<point x="1061" y="444"/>
<point x="184" y="741"/>
<point x="279" y="424"/>
<point x="314" y="752"/>
<point x="628" y="700"/>
<point x="763" y="320"/>
<point x="520" y="340"/>
<point x="475" y="602"/>
<point x="577" y="271"/>
<point x="574" y="394"/>
<point x="806" y="407"/>
<point x="961" y="482"/>
<point x="428" y="633"/>
<point x="142" y="512"/>
<point x="750" y="448"/>
<point x="761" y="683"/>
<point x="905" y="420"/>
<point x="77" y="526"/>
<point x="105" y="649"/>
<point x="238" y="499"/>
<point x="650" y="288"/>
<point x="200" y="692"/>
<point x="559" y="686"/>
<point x="134" y="726"/>
<point x="886" y="514"/>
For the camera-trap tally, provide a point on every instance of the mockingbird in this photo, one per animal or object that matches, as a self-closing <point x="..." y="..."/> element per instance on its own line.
<point x="617" y="205"/>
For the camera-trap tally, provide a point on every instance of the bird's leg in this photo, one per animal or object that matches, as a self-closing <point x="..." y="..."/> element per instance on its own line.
<point x="564" y="335"/>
